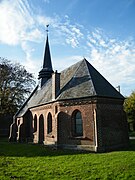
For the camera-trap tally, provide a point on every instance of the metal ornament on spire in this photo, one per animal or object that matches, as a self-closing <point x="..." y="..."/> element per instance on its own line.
<point x="47" y="28"/>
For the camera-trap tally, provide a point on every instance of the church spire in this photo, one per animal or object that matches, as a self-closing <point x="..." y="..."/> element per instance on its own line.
<point x="47" y="70"/>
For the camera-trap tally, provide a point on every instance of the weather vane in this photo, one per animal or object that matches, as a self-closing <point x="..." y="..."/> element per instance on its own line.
<point x="47" y="28"/>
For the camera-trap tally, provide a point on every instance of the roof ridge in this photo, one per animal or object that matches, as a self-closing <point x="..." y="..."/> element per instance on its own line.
<point x="75" y="68"/>
<point x="71" y="66"/>
<point x="87" y="62"/>
<point x="79" y="62"/>
<point x="98" y="79"/>
<point x="76" y="64"/>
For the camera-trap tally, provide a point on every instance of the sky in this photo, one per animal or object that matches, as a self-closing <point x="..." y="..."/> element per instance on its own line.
<point x="102" y="31"/>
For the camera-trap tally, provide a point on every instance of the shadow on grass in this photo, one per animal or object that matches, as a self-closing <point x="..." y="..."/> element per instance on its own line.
<point x="34" y="150"/>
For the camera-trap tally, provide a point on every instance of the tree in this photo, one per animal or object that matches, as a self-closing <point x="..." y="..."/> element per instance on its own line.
<point x="129" y="107"/>
<point x="15" y="85"/>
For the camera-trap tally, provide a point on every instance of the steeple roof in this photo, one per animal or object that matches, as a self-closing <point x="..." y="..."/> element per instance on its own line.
<point x="47" y="69"/>
<point x="47" y="63"/>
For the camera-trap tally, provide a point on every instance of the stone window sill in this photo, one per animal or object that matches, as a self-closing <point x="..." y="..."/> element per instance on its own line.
<point x="79" y="138"/>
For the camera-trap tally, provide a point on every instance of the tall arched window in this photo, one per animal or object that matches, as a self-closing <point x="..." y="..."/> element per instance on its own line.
<point x="78" y="125"/>
<point x="41" y="129"/>
<point x="49" y="123"/>
<point x="35" y="123"/>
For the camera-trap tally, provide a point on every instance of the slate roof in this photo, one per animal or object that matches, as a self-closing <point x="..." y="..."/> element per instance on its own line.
<point x="78" y="81"/>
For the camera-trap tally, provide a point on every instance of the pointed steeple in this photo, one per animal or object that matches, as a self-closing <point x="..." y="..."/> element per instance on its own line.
<point x="47" y="70"/>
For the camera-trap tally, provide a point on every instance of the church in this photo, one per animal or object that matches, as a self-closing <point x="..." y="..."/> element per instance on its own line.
<point x="76" y="108"/>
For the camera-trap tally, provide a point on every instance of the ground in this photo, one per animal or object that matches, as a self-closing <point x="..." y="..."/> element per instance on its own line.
<point x="28" y="161"/>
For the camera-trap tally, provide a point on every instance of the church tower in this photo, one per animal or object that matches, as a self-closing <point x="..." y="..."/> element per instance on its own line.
<point x="46" y="71"/>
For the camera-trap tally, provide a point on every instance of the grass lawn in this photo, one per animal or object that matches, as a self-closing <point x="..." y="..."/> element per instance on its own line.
<point x="27" y="161"/>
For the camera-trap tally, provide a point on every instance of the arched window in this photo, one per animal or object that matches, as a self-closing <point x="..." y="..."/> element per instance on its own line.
<point x="78" y="125"/>
<point x="49" y="123"/>
<point x="41" y="129"/>
<point x="35" y="123"/>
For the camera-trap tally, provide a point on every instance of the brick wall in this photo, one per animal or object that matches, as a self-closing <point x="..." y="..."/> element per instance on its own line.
<point x="113" y="124"/>
<point x="62" y="122"/>
<point x="66" y="121"/>
<point x="104" y="123"/>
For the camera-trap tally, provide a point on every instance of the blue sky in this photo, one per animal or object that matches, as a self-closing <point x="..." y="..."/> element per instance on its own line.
<point x="102" y="31"/>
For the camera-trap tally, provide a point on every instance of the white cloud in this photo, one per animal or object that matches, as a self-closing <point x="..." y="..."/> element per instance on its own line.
<point x="28" y="51"/>
<point x="31" y="63"/>
<point x="113" y="58"/>
<point x="43" y="21"/>
<point x="61" y="64"/>
<point x="19" y="25"/>
<point x="71" y="32"/>
<point x="15" y="19"/>
<point x="47" y="1"/>
<point x="34" y="35"/>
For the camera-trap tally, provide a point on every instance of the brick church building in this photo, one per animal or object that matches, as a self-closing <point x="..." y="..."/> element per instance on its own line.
<point x="76" y="108"/>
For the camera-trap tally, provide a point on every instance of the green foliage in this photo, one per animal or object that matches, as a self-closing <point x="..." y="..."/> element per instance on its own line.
<point x="15" y="85"/>
<point x="132" y="134"/>
<point x="28" y="161"/>
<point x="129" y="107"/>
